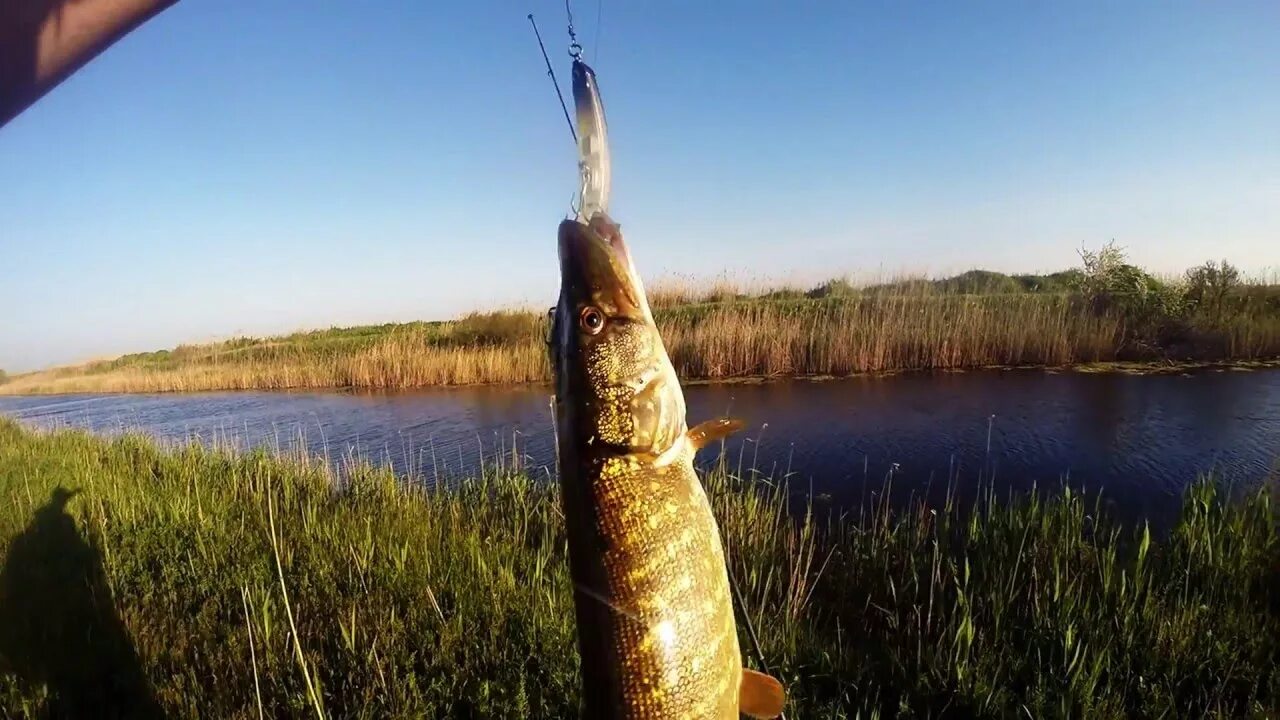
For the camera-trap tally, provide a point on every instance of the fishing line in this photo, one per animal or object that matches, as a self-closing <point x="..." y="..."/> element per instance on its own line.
<point x="552" y="73"/>
<point x="575" y="48"/>
<point x="751" y="631"/>
<point x="595" y="49"/>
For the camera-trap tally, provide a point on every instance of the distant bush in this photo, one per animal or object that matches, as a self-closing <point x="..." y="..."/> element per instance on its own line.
<point x="1106" y="278"/>
<point x="836" y="287"/>
<point x="1209" y="285"/>
<point x="784" y="294"/>
<point x="236" y="343"/>
<point x="4" y="377"/>
<point x="1153" y="309"/>
<point x="1257" y="298"/>
<point x="979" y="282"/>
<point x="1108" y="281"/>
<point x="1059" y="282"/>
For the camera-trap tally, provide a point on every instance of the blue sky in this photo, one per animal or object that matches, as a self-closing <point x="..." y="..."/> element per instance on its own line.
<point x="269" y="166"/>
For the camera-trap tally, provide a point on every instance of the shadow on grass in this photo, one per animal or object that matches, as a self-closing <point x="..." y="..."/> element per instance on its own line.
<point x="59" y="628"/>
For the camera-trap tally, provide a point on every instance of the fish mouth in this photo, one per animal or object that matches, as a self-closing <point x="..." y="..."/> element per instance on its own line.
<point x="596" y="268"/>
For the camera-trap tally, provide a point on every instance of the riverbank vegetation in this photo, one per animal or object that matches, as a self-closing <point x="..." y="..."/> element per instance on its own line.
<point x="201" y="583"/>
<point x="1106" y="310"/>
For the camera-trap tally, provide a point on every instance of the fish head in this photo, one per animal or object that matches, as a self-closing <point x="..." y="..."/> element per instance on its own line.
<point x="616" y="389"/>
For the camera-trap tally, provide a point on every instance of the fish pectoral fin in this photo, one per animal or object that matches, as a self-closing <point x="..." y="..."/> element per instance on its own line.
<point x="759" y="695"/>
<point x="705" y="433"/>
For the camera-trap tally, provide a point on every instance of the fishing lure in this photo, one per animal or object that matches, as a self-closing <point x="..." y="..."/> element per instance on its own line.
<point x="594" y="164"/>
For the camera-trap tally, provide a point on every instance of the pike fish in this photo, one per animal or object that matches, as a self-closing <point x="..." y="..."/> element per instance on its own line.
<point x="655" y="619"/>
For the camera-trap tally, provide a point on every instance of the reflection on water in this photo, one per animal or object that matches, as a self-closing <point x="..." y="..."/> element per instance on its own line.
<point x="1139" y="438"/>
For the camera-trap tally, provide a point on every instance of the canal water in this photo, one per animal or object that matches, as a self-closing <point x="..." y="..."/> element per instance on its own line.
<point x="1140" y="439"/>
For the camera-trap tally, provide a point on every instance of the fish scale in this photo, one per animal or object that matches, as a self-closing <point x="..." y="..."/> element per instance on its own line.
<point x="664" y="571"/>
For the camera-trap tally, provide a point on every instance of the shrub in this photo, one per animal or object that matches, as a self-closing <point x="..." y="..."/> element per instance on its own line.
<point x="980" y="282"/>
<point x="1209" y="285"/>
<point x="1059" y="282"/>
<point x="1109" y="284"/>
<point x="836" y="287"/>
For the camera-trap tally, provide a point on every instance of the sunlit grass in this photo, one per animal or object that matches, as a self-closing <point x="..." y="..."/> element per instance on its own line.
<point x="409" y="602"/>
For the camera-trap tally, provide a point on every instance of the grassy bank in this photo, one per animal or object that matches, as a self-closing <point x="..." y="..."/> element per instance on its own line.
<point x="203" y="584"/>
<point x="1106" y="312"/>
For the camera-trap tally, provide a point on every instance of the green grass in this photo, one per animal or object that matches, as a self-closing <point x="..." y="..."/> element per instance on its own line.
<point x="211" y="584"/>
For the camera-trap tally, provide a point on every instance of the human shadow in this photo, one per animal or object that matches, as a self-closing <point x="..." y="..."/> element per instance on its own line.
<point x="59" y="627"/>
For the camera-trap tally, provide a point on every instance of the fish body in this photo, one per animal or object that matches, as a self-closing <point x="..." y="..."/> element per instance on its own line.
<point x="656" y="629"/>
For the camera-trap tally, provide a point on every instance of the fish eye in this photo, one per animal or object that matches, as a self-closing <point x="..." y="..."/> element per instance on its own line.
<point x="592" y="320"/>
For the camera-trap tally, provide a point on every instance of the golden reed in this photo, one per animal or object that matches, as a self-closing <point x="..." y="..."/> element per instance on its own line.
<point x="753" y="337"/>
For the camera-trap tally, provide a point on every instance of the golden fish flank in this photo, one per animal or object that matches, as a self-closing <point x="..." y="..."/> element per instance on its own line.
<point x="683" y="637"/>
<point x="656" y="629"/>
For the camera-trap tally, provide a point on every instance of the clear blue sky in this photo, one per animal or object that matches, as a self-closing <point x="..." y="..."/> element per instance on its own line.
<point x="268" y="166"/>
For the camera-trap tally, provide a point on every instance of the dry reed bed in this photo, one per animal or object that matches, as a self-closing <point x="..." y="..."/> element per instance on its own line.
<point x="745" y="338"/>
<point x="896" y="333"/>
